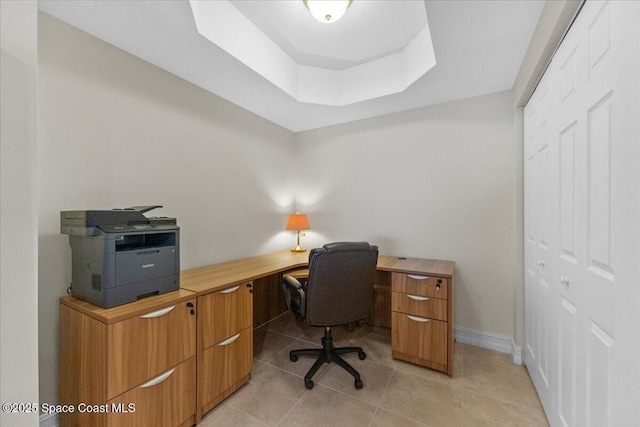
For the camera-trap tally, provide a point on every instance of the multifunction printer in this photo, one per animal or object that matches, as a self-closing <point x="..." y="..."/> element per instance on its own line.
<point x="120" y="255"/>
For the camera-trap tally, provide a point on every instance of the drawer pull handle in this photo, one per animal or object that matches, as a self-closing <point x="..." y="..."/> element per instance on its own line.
<point x="417" y="298"/>
<point x="230" y="290"/>
<point x="230" y="340"/>
<point x="416" y="277"/>
<point x="418" y="319"/>
<point x="158" y="313"/>
<point x="157" y="380"/>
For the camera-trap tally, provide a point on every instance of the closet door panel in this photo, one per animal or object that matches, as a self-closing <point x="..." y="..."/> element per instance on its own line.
<point x="571" y="255"/>
<point x="541" y="164"/>
<point x="531" y="259"/>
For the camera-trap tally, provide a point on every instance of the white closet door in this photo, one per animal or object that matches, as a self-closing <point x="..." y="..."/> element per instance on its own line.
<point x="570" y="69"/>
<point x="582" y="322"/>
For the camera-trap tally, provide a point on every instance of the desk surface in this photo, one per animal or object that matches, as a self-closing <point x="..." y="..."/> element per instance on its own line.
<point x="217" y="276"/>
<point x="125" y="311"/>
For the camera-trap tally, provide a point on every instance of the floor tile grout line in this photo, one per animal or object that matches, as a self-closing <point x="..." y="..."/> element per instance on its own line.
<point x="429" y="379"/>
<point x="293" y="373"/>
<point x="243" y="412"/>
<point x="292" y="408"/>
<point x="279" y="333"/>
<point x="506" y="401"/>
<point x="382" y="397"/>
<point x="383" y="394"/>
<point x="344" y="394"/>
<point x="464" y="387"/>
<point x="386" y="387"/>
<point x="284" y="416"/>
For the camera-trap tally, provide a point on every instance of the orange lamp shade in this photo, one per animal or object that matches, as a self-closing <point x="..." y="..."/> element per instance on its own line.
<point x="298" y="221"/>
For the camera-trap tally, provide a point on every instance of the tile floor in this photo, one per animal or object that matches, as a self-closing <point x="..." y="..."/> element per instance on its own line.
<point x="485" y="390"/>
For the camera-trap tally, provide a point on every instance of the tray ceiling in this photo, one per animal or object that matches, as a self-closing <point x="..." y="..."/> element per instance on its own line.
<point x="478" y="47"/>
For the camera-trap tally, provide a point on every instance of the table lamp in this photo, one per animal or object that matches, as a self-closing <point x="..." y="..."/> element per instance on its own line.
<point x="298" y="221"/>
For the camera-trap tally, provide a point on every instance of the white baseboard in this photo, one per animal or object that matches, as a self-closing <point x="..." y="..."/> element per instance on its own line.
<point x="516" y="353"/>
<point x="49" y="420"/>
<point x="491" y="341"/>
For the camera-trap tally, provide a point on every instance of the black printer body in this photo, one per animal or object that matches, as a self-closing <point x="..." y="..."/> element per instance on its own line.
<point x="120" y="256"/>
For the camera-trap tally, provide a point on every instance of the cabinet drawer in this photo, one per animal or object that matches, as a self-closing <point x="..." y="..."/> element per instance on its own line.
<point x="427" y="286"/>
<point x="143" y="347"/>
<point x="418" y="305"/>
<point x="225" y="313"/>
<point x="168" y="399"/>
<point x="223" y="365"/>
<point x="421" y="338"/>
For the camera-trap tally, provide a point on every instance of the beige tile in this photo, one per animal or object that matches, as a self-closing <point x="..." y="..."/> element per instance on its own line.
<point x="423" y="400"/>
<point x="267" y="344"/>
<point x="226" y="415"/>
<point x="376" y="330"/>
<point x="302" y="365"/>
<point x="322" y="407"/>
<point x="508" y="382"/>
<point x="384" y="418"/>
<point x="374" y="376"/>
<point x="257" y="365"/>
<point x="376" y="347"/>
<point x="431" y="374"/>
<point x="482" y="410"/>
<point x="472" y="352"/>
<point x="288" y="325"/>
<point x="485" y="390"/>
<point x="270" y="394"/>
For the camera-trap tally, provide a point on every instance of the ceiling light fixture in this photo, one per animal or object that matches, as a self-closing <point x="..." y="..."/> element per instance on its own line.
<point x="327" y="11"/>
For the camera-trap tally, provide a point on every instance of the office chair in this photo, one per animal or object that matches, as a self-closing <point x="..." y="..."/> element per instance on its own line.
<point x="339" y="290"/>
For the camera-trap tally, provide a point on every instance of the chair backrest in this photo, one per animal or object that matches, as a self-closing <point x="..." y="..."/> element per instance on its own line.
<point x="340" y="286"/>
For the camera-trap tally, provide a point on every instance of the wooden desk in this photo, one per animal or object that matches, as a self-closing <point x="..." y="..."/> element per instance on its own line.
<point x="228" y="291"/>
<point x="211" y="278"/>
<point x="197" y="343"/>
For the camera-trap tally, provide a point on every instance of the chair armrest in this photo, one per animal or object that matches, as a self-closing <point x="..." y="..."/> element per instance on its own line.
<point x="298" y="308"/>
<point x="292" y="281"/>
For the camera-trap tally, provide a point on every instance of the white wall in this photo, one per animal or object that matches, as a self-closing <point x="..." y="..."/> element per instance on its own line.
<point x="436" y="182"/>
<point x="116" y="131"/>
<point x="18" y="210"/>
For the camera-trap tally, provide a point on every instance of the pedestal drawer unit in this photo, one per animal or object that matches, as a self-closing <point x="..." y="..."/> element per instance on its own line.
<point x="422" y="321"/>
<point x="225" y="347"/>
<point x="130" y="365"/>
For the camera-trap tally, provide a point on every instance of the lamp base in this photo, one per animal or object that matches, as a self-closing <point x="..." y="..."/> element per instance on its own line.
<point x="298" y="248"/>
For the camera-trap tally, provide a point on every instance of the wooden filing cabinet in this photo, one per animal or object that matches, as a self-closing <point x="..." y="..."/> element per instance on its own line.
<point x="422" y="320"/>
<point x="225" y="347"/>
<point x="129" y="365"/>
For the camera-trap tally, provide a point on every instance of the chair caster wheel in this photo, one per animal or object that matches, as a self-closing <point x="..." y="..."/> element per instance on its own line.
<point x="308" y="384"/>
<point x="293" y="357"/>
<point x="362" y="355"/>
<point x="359" y="384"/>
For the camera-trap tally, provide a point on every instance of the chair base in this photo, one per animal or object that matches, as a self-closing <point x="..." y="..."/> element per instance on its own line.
<point x="328" y="354"/>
